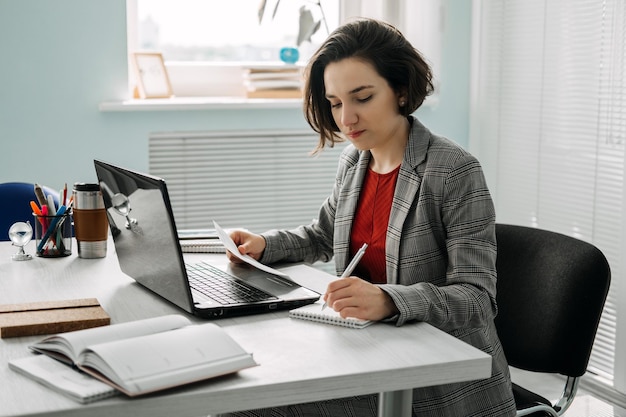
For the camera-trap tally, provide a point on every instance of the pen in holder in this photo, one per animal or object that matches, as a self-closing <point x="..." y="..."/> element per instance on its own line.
<point x="53" y="234"/>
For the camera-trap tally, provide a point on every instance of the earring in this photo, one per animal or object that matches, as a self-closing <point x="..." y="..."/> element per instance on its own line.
<point x="402" y="103"/>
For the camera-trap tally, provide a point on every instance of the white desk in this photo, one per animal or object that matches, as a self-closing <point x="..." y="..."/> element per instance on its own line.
<point x="299" y="361"/>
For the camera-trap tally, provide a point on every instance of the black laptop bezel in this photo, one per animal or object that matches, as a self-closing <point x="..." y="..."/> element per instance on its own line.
<point x="188" y="304"/>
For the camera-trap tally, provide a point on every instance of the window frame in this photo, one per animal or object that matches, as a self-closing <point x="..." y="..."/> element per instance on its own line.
<point x="195" y="79"/>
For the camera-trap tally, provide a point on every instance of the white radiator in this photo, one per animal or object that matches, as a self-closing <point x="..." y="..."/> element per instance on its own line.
<point x="257" y="180"/>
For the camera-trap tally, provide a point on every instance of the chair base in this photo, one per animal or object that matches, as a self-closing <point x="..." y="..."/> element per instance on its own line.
<point x="534" y="405"/>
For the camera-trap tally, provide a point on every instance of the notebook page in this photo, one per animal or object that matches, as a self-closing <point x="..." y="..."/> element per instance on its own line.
<point x="314" y="312"/>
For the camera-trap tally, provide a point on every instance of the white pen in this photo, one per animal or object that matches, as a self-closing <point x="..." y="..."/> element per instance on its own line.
<point x="353" y="263"/>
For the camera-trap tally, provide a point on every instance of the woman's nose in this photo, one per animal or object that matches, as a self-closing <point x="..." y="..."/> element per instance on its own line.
<point x="348" y="116"/>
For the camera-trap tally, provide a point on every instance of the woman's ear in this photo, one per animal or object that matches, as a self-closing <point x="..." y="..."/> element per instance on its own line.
<point x="402" y="100"/>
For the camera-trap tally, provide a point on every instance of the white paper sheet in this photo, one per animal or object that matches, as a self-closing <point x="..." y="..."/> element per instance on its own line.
<point x="232" y="248"/>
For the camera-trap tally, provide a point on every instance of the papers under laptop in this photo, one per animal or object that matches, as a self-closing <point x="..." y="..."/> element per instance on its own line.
<point x="148" y="250"/>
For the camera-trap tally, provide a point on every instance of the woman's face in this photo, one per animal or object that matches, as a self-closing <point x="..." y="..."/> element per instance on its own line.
<point x="363" y="105"/>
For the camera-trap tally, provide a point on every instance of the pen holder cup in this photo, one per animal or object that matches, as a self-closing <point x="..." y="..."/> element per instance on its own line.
<point x="53" y="235"/>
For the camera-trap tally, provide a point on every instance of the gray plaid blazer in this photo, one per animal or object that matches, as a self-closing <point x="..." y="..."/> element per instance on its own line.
<point x="440" y="256"/>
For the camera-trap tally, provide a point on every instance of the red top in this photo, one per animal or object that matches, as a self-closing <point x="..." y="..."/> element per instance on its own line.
<point x="370" y="224"/>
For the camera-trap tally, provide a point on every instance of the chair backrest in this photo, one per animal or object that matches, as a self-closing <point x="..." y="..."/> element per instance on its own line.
<point x="551" y="292"/>
<point x="15" y="198"/>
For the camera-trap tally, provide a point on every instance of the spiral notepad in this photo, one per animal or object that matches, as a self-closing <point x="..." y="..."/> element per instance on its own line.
<point x="314" y="312"/>
<point x="202" y="246"/>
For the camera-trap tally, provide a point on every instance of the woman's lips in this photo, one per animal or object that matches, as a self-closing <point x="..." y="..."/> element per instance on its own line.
<point x="355" y="134"/>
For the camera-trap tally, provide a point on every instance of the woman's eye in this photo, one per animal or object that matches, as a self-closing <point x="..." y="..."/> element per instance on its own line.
<point x="335" y="105"/>
<point x="364" y="100"/>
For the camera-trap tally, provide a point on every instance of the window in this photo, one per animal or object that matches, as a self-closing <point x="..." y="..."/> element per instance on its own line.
<point x="200" y="30"/>
<point x="549" y="114"/>
<point x="205" y="44"/>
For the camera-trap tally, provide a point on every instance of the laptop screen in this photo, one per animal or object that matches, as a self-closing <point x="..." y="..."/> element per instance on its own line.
<point x="143" y="228"/>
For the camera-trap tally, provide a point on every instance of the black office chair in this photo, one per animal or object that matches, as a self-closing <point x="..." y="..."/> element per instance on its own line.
<point x="551" y="292"/>
<point x="15" y="206"/>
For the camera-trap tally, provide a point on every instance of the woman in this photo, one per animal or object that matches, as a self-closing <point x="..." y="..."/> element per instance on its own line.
<point x="418" y="200"/>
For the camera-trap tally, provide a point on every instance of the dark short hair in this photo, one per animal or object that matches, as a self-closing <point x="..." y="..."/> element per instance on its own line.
<point x="378" y="43"/>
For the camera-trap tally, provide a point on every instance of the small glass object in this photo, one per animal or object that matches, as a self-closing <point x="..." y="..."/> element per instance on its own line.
<point x="20" y="234"/>
<point x="289" y="55"/>
<point x="121" y="204"/>
<point x="53" y="235"/>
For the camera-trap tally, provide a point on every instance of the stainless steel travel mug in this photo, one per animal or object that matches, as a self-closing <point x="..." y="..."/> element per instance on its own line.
<point x="91" y="225"/>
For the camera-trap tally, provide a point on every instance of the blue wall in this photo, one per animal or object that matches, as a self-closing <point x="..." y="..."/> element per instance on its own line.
<point x="60" y="59"/>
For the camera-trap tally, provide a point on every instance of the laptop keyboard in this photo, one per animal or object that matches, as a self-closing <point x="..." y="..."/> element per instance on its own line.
<point x="223" y="287"/>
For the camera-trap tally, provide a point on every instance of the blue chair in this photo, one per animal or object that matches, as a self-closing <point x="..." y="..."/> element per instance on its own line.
<point x="15" y="206"/>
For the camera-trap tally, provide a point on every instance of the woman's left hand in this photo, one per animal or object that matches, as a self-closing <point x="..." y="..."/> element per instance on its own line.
<point x="354" y="297"/>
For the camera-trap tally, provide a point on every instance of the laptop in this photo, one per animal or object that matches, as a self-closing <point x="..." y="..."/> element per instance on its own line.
<point x="148" y="250"/>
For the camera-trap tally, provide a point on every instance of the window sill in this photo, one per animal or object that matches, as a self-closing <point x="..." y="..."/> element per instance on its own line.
<point x="213" y="103"/>
<point x="199" y="103"/>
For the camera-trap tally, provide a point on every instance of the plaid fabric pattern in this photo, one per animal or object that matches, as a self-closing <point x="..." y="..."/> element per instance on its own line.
<point x="440" y="259"/>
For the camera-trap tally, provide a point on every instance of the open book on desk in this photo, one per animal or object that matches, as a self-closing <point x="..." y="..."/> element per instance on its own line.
<point x="64" y="379"/>
<point x="149" y="355"/>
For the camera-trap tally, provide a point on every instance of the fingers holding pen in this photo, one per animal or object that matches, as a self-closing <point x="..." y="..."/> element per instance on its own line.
<point x="354" y="297"/>
<point x="340" y="293"/>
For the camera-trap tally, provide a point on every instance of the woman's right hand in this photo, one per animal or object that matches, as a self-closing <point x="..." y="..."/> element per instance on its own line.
<point x="248" y="243"/>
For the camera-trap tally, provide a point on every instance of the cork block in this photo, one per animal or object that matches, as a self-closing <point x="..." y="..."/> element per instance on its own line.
<point x="48" y="317"/>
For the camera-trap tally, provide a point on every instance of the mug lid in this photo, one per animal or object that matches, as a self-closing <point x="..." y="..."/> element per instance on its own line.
<point x="86" y="186"/>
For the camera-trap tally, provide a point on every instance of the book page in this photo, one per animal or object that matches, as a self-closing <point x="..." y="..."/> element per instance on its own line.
<point x="72" y="343"/>
<point x="62" y="378"/>
<point x="152" y="362"/>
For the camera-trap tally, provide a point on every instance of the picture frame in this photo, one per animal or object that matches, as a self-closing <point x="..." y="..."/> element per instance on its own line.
<point x="151" y="74"/>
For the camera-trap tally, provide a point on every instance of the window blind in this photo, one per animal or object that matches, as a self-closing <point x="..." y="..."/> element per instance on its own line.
<point x="549" y="126"/>
<point x="259" y="180"/>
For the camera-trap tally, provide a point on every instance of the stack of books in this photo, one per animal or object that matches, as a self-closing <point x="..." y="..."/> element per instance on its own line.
<point x="273" y="81"/>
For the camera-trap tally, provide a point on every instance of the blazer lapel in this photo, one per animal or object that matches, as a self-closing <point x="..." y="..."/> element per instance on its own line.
<point x="346" y="207"/>
<point x="407" y="188"/>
